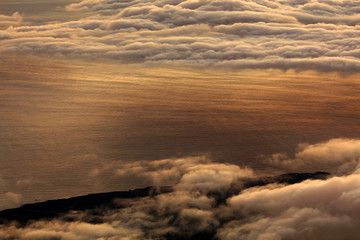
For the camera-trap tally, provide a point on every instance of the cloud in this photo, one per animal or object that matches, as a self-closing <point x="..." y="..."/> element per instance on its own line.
<point x="14" y="20"/>
<point x="339" y="156"/>
<point x="308" y="210"/>
<point x="324" y="195"/>
<point x="56" y="229"/>
<point x="13" y="197"/>
<point x="191" y="174"/>
<point x="305" y="223"/>
<point x="8" y="198"/>
<point x="204" y="205"/>
<point x="302" y="35"/>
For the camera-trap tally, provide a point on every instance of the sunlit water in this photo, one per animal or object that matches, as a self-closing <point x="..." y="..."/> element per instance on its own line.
<point x="60" y="120"/>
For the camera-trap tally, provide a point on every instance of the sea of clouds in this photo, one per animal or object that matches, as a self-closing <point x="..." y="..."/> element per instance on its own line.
<point x="210" y="201"/>
<point x="318" y="35"/>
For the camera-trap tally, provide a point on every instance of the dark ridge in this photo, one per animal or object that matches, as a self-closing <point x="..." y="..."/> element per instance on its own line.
<point x="53" y="208"/>
<point x="292" y="178"/>
<point x="288" y="178"/>
<point x="198" y="236"/>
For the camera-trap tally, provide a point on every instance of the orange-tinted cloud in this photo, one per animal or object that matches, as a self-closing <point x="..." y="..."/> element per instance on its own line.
<point x="197" y="209"/>
<point x="302" y="35"/>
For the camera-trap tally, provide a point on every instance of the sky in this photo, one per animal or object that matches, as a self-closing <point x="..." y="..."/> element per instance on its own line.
<point x="108" y="95"/>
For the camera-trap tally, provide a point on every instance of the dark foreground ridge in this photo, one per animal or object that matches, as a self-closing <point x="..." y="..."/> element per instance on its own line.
<point x="288" y="178"/>
<point x="54" y="208"/>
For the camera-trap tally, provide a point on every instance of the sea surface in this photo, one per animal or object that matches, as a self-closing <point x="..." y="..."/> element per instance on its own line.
<point x="61" y="120"/>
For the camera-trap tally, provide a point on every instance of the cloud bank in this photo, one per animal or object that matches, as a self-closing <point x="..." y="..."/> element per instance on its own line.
<point x="203" y="204"/>
<point x="13" y="20"/>
<point x="338" y="156"/>
<point x="303" y="35"/>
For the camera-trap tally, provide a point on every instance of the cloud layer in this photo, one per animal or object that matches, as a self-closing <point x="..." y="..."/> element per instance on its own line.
<point x="204" y="204"/>
<point x="13" y="20"/>
<point x="315" y="34"/>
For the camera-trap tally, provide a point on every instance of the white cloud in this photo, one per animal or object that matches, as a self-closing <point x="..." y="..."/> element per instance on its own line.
<point x="294" y="224"/>
<point x="338" y="156"/>
<point x="190" y="174"/>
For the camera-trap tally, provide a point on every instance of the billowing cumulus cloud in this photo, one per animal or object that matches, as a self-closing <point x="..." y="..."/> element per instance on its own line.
<point x="305" y="223"/>
<point x="338" y="156"/>
<point x="302" y="35"/>
<point x="204" y="205"/>
<point x="191" y="173"/>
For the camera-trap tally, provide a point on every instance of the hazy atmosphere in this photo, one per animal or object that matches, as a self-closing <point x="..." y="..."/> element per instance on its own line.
<point x="204" y="96"/>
